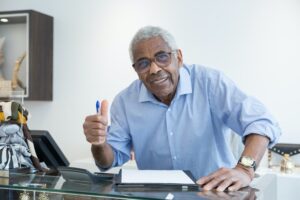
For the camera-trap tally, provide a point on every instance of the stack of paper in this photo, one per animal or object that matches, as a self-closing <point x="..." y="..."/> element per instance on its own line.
<point x="155" y="177"/>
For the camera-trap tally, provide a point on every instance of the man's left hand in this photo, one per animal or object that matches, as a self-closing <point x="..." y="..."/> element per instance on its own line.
<point x="224" y="178"/>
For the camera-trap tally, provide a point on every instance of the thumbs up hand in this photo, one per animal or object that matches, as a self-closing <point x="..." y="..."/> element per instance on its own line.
<point x="95" y="126"/>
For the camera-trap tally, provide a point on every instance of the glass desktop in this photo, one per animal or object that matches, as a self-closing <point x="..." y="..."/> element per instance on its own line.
<point x="39" y="186"/>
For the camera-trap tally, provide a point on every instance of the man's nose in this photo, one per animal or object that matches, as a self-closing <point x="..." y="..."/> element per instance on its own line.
<point x="154" y="68"/>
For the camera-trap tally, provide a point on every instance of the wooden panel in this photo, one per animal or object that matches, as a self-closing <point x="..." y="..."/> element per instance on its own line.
<point x="41" y="57"/>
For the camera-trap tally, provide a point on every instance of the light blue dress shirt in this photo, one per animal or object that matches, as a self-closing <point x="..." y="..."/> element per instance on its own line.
<point x="193" y="132"/>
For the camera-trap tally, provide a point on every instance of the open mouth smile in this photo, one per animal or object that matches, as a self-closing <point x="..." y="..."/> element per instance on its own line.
<point x="159" y="80"/>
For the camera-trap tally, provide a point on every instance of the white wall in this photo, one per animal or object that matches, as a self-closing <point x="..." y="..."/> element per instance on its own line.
<point x="256" y="43"/>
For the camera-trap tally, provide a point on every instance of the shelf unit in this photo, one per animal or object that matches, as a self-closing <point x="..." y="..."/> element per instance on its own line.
<point x="37" y="73"/>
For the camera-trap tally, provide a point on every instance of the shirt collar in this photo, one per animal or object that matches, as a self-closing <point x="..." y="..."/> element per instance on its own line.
<point x="185" y="82"/>
<point x="184" y="87"/>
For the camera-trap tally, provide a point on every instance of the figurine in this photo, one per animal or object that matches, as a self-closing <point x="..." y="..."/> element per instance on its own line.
<point x="286" y="165"/>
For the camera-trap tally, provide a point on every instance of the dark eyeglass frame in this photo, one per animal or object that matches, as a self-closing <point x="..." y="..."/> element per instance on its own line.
<point x="150" y="60"/>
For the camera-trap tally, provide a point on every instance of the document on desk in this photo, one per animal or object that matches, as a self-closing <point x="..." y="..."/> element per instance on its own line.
<point x="129" y="176"/>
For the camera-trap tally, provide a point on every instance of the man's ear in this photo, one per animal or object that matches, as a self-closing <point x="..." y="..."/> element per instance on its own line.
<point x="179" y="57"/>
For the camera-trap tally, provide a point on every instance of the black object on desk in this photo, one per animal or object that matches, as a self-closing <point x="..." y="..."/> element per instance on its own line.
<point x="83" y="175"/>
<point x="47" y="150"/>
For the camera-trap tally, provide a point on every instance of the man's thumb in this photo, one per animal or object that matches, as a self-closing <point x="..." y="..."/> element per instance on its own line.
<point x="104" y="108"/>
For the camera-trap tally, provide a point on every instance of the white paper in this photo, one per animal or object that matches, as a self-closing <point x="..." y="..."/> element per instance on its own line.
<point x="170" y="196"/>
<point x="155" y="176"/>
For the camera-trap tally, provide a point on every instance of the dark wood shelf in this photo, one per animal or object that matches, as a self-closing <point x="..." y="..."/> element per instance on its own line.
<point x="40" y="55"/>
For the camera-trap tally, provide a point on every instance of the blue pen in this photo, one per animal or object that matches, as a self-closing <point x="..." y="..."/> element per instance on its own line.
<point x="98" y="106"/>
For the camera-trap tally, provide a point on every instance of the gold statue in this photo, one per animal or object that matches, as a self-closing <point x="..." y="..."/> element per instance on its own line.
<point x="286" y="165"/>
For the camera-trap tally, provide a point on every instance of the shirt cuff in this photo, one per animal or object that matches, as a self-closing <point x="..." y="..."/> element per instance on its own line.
<point x="272" y="131"/>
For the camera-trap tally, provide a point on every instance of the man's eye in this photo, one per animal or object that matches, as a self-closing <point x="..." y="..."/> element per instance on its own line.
<point x="162" y="57"/>
<point x="143" y="63"/>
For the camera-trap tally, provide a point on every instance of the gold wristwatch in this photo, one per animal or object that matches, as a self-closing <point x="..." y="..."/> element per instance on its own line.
<point x="247" y="162"/>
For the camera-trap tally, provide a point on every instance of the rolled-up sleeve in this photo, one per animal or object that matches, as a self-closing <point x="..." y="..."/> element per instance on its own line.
<point x="255" y="118"/>
<point x="242" y="113"/>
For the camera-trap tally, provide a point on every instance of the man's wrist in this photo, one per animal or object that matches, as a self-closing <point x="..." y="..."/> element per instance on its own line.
<point x="103" y="155"/>
<point x="98" y="147"/>
<point x="248" y="170"/>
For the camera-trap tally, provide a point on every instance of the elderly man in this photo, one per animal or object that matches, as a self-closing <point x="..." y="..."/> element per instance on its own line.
<point x="179" y="116"/>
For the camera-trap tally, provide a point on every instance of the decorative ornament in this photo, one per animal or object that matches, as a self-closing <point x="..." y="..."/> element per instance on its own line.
<point x="24" y="196"/>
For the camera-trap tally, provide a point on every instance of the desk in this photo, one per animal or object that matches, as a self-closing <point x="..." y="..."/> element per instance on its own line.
<point x="55" y="187"/>
<point x="276" y="185"/>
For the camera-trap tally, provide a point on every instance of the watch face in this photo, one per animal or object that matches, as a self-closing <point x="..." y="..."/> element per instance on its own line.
<point x="247" y="161"/>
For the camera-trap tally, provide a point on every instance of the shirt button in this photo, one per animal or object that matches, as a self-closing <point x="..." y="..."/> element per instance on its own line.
<point x="174" y="158"/>
<point x="171" y="133"/>
<point x="169" y="110"/>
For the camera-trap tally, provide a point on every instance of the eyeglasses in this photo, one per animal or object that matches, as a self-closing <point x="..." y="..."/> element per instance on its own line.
<point x="161" y="59"/>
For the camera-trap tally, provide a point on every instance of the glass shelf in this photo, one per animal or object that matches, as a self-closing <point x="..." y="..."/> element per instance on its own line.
<point x="11" y="95"/>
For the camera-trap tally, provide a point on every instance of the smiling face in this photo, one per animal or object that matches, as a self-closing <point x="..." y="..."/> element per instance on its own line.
<point x="160" y="81"/>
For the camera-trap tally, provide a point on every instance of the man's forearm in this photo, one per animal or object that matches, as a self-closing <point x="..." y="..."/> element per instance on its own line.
<point x="103" y="154"/>
<point x="255" y="146"/>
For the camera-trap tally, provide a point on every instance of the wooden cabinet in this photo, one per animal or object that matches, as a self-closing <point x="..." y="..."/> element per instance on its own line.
<point x="27" y="53"/>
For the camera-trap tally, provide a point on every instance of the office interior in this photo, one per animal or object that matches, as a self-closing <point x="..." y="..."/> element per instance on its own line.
<point x="256" y="43"/>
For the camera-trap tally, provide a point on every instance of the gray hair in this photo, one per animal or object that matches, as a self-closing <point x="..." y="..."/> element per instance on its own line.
<point x="148" y="32"/>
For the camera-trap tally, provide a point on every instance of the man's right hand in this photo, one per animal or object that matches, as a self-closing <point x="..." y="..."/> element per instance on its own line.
<point x="95" y="126"/>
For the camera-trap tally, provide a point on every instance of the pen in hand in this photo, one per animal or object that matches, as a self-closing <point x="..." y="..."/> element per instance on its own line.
<point x="102" y="120"/>
<point x="102" y="108"/>
<point x="98" y="106"/>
